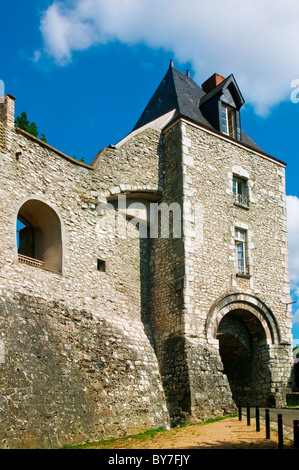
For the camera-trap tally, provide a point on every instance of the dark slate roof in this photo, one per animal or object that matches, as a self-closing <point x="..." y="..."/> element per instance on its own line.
<point x="178" y="91"/>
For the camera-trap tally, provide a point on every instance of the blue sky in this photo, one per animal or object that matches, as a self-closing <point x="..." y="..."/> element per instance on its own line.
<point x="84" y="70"/>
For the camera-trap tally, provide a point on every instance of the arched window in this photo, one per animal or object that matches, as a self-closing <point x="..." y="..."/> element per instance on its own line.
<point x="39" y="236"/>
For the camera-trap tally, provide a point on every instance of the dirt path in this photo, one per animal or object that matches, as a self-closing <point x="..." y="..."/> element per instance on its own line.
<point x="229" y="433"/>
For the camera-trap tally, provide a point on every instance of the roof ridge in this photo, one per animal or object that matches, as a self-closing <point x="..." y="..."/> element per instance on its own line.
<point x="157" y="106"/>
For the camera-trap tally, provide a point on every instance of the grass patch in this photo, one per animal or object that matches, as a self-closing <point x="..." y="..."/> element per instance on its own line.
<point x="219" y="418"/>
<point x="116" y="443"/>
<point x="106" y="443"/>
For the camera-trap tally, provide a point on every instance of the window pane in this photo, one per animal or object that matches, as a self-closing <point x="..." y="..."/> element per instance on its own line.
<point x="241" y="187"/>
<point x="235" y="186"/>
<point x="240" y="250"/>
<point x="228" y="120"/>
<point x="239" y="235"/>
<point x="231" y="122"/>
<point x="240" y="192"/>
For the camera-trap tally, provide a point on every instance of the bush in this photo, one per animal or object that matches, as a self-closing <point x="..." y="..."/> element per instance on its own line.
<point x="23" y="123"/>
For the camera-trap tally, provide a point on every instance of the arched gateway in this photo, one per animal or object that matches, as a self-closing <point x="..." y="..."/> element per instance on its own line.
<point x="246" y="333"/>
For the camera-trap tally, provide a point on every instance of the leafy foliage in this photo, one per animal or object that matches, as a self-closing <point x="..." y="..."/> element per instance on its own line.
<point x="82" y="159"/>
<point x="23" y="123"/>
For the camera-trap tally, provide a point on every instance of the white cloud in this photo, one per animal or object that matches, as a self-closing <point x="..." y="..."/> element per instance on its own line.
<point x="295" y="317"/>
<point x="256" y="40"/>
<point x="36" y="56"/>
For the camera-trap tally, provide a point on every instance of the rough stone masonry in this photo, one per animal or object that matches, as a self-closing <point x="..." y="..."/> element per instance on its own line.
<point x="105" y="332"/>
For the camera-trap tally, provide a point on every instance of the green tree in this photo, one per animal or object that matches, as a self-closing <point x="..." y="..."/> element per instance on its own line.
<point x="23" y="123"/>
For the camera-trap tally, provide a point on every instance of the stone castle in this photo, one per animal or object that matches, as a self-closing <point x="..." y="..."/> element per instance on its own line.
<point x="148" y="288"/>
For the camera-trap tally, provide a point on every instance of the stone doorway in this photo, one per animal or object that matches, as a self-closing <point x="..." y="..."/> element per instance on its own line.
<point x="245" y="356"/>
<point x="246" y="336"/>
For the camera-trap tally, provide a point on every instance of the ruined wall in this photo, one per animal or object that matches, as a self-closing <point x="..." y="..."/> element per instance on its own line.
<point x="69" y="378"/>
<point x="79" y="360"/>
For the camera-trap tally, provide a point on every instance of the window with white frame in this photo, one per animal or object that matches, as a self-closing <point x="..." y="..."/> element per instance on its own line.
<point x="228" y="120"/>
<point x="241" y="251"/>
<point x="240" y="191"/>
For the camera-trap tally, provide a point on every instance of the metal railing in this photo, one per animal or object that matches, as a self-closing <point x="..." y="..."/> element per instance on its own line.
<point x="241" y="199"/>
<point x="243" y="270"/>
<point x="30" y="261"/>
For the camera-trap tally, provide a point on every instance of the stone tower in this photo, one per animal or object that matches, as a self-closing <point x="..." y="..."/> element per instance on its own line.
<point x="220" y="300"/>
<point x="149" y="287"/>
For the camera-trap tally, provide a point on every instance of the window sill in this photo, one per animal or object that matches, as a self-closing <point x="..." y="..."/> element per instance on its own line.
<point x="35" y="263"/>
<point x="243" y="206"/>
<point x="243" y="276"/>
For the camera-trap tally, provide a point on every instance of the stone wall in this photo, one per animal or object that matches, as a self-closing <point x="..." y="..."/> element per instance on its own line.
<point x="209" y="163"/>
<point x="79" y="360"/>
<point x="69" y="378"/>
<point x="167" y="289"/>
<point x="125" y="336"/>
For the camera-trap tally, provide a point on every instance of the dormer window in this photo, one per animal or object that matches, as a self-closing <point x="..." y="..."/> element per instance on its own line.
<point x="228" y="120"/>
<point x="221" y="105"/>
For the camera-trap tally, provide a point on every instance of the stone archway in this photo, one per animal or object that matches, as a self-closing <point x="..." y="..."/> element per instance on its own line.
<point x="39" y="240"/>
<point x="244" y="330"/>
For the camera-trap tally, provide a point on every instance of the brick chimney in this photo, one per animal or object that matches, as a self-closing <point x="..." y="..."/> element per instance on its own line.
<point x="212" y="82"/>
<point x="7" y="110"/>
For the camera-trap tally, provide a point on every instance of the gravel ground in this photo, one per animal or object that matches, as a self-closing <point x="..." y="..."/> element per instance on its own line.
<point x="229" y="433"/>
